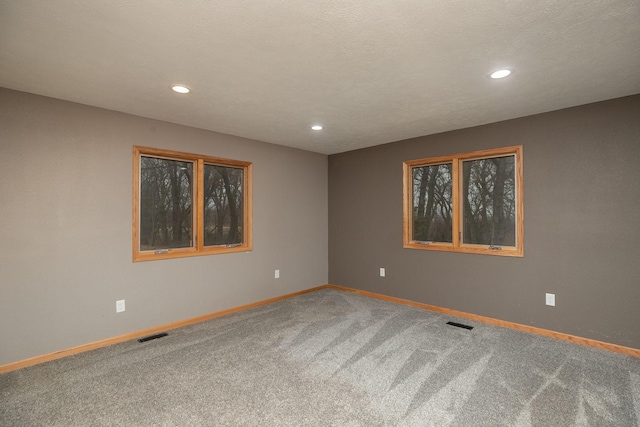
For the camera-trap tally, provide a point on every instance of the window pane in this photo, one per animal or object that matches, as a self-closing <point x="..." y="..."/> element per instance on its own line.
<point x="432" y="203"/>
<point x="223" y="205"/>
<point x="166" y="200"/>
<point x="489" y="197"/>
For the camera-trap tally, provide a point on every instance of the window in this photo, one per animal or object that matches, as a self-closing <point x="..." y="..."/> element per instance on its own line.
<point x="188" y="205"/>
<point x="469" y="202"/>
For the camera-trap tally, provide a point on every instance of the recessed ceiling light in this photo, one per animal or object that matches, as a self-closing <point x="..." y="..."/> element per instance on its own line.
<point x="316" y="127"/>
<point x="500" y="74"/>
<point x="180" y="89"/>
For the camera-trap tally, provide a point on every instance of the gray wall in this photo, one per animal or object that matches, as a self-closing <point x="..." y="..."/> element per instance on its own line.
<point x="65" y="212"/>
<point x="581" y="216"/>
<point x="65" y="227"/>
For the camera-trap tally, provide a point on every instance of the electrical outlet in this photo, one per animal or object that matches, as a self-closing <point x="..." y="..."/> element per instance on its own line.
<point x="120" y="306"/>
<point x="277" y="274"/>
<point x="550" y="299"/>
<point x="383" y="272"/>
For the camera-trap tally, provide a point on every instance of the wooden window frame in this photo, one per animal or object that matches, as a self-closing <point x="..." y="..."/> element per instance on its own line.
<point x="198" y="247"/>
<point x="456" y="163"/>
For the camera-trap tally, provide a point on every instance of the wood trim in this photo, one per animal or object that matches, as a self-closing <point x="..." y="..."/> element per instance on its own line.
<point x="138" y="334"/>
<point x="198" y="248"/>
<point x="198" y="210"/>
<point x="629" y="351"/>
<point x="520" y="201"/>
<point x="180" y="155"/>
<point x="135" y="203"/>
<point x="456" y="190"/>
<point x="457" y="244"/>
<point x="150" y="331"/>
<point x="406" y="205"/>
<point x="518" y="250"/>
<point x="247" y="207"/>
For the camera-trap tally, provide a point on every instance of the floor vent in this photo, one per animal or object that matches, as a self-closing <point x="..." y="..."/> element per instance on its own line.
<point x="460" y="325"/>
<point x="153" y="337"/>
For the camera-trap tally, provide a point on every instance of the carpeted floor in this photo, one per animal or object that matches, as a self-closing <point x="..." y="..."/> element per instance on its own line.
<point x="330" y="358"/>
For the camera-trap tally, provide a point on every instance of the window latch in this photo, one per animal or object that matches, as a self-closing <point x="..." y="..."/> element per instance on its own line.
<point x="232" y="245"/>
<point x="161" y="251"/>
<point x="423" y="242"/>
<point x="495" y="248"/>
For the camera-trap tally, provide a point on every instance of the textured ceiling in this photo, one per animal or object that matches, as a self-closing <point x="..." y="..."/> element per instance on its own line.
<point x="370" y="71"/>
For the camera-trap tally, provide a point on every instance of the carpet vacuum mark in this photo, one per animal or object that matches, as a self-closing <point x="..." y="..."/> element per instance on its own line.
<point x="330" y="358"/>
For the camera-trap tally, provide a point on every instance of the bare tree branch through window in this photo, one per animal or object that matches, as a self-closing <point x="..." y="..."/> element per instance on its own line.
<point x="470" y="202"/>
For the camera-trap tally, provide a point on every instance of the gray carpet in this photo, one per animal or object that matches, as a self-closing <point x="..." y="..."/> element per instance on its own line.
<point x="330" y="358"/>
